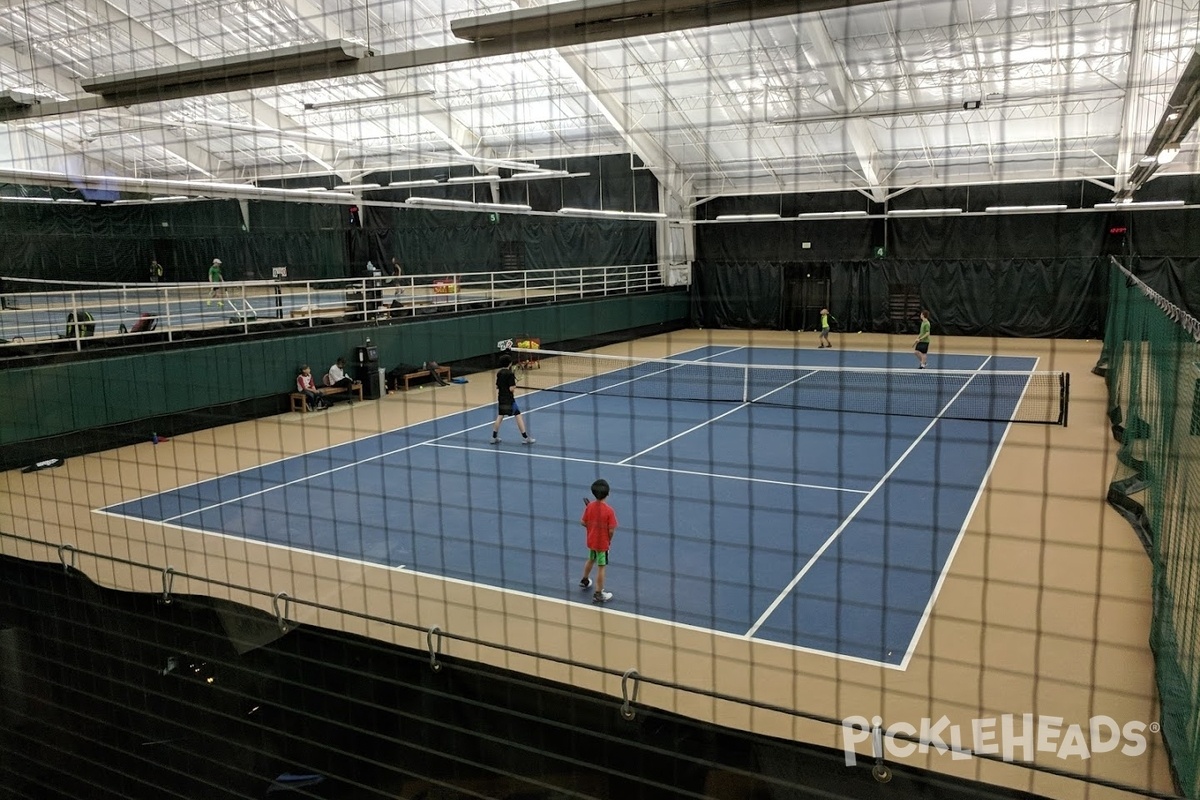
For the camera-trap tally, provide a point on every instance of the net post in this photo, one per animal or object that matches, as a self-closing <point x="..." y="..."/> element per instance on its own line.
<point x="1064" y="397"/>
<point x="746" y="384"/>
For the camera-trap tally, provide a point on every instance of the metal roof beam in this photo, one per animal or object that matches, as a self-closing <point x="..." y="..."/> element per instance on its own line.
<point x="822" y="56"/>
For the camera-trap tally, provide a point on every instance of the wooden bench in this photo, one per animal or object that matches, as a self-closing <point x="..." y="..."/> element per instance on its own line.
<point x="299" y="404"/>
<point x="424" y="373"/>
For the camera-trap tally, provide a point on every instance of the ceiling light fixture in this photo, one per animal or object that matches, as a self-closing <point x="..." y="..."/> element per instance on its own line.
<point x="553" y="173"/>
<point x="354" y="102"/>
<point x="924" y="212"/>
<point x="245" y="71"/>
<point x="466" y="205"/>
<point x="350" y="187"/>
<point x="830" y="214"/>
<point x="746" y="217"/>
<point x="609" y="214"/>
<point x="474" y="179"/>
<point x="1167" y="155"/>
<point x="408" y="184"/>
<point x="1024" y="209"/>
<point x="1141" y="204"/>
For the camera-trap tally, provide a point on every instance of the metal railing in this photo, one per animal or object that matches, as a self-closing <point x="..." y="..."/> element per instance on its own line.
<point x="37" y="312"/>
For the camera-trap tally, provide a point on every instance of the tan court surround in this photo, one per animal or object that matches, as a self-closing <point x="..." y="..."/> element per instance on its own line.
<point x="1045" y="609"/>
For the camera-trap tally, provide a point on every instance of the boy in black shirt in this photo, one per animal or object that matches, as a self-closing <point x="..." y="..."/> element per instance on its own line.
<point x="506" y="403"/>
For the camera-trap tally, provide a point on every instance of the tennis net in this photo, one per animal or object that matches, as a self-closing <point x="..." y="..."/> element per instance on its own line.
<point x="997" y="396"/>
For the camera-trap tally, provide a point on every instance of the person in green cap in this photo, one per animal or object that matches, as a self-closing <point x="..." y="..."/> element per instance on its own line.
<point x="214" y="277"/>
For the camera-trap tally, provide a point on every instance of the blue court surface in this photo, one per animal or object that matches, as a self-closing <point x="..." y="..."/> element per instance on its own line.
<point x="817" y="528"/>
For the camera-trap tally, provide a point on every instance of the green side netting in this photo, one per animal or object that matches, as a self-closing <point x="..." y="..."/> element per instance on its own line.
<point x="1153" y="375"/>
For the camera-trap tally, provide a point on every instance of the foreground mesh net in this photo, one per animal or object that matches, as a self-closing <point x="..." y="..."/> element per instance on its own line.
<point x="1153" y="374"/>
<point x="989" y="395"/>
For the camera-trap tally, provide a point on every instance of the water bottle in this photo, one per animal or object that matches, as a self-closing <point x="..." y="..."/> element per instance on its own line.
<point x="154" y="438"/>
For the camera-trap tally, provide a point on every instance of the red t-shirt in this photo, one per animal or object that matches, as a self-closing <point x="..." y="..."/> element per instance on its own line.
<point x="600" y="520"/>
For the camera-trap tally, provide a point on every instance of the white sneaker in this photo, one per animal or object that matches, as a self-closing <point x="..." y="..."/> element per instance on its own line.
<point x="601" y="597"/>
<point x="495" y="440"/>
<point x="585" y="583"/>
<point x="529" y="440"/>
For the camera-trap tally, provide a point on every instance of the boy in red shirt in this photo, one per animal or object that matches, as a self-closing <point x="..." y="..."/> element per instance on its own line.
<point x="600" y="521"/>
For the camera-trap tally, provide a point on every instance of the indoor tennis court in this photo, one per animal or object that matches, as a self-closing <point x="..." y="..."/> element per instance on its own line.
<point x="780" y="519"/>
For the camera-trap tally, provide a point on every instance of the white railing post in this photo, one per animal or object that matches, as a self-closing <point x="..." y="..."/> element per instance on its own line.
<point x="75" y="316"/>
<point x="166" y="296"/>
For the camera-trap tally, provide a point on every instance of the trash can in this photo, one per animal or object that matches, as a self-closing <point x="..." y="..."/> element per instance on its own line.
<point x="366" y="362"/>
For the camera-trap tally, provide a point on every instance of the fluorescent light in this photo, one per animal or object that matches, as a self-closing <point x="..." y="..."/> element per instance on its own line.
<point x="171" y="198"/>
<point x="1021" y="209"/>
<point x="404" y="184"/>
<point x="745" y="217"/>
<point x="599" y="212"/>
<point x="286" y="65"/>
<point x="466" y="205"/>
<point x="349" y="187"/>
<point x="366" y="101"/>
<point x="1146" y="161"/>
<point x="27" y="199"/>
<point x="830" y="214"/>
<point x="69" y="200"/>
<point x="924" y="212"/>
<point x="1167" y="155"/>
<point x="242" y="191"/>
<point x="537" y="176"/>
<point x="1142" y="204"/>
<point x="474" y="179"/>
<point x="315" y="189"/>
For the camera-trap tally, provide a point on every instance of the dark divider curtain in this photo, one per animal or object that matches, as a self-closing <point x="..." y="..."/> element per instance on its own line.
<point x="1058" y="298"/>
<point x="449" y="242"/>
<point x="1003" y="237"/>
<point x="827" y="240"/>
<point x="737" y="295"/>
<point x="1175" y="278"/>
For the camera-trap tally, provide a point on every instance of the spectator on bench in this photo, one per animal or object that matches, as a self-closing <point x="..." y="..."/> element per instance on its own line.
<point x="306" y="387"/>
<point x="337" y="375"/>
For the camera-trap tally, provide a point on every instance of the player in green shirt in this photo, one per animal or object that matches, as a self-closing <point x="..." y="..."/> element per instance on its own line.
<point x="825" y="317"/>
<point x="922" y="347"/>
<point x="214" y="277"/>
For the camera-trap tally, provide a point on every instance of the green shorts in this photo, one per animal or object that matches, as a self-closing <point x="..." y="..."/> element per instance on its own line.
<point x="599" y="556"/>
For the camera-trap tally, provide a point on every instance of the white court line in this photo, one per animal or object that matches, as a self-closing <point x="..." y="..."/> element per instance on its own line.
<point x="352" y="464"/>
<point x="714" y="419"/>
<point x="907" y="351"/>
<point x="937" y="589"/>
<point x="862" y="504"/>
<point x="528" y="454"/>
<point x="608" y="609"/>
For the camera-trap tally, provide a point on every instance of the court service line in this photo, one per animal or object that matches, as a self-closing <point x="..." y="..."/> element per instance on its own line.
<point x="351" y="464"/>
<point x="714" y="419"/>
<point x="937" y="589"/>
<point x="550" y="457"/>
<point x="862" y="504"/>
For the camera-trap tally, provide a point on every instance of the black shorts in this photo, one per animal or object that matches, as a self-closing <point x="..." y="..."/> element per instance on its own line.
<point x="922" y="347"/>
<point x="508" y="408"/>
